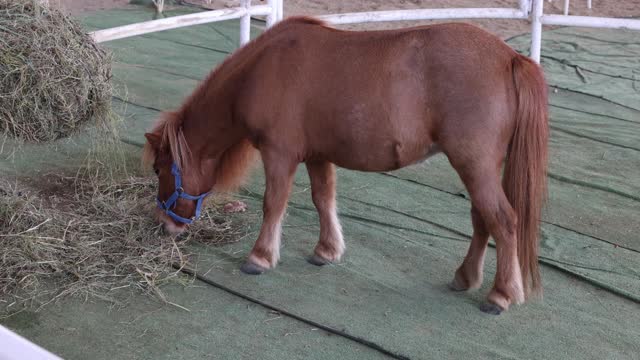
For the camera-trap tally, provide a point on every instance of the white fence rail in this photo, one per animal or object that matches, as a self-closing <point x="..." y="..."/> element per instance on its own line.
<point x="273" y="10"/>
<point x="424" y="14"/>
<point x="591" y="21"/>
<point x="15" y="347"/>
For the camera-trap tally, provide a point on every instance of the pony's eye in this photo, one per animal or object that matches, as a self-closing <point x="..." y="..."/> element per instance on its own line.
<point x="155" y="170"/>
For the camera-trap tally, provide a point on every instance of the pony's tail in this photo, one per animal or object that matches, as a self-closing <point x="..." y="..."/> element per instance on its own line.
<point x="525" y="174"/>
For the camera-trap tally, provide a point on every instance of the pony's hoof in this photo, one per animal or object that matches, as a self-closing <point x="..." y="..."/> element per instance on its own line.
<point x="250" y="268"/>
<point x="318" y="260"/>
<point x="454" y="286"/>
<point x="491" y="309"/>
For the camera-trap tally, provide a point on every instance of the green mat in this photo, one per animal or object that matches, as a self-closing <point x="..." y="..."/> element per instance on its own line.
<point x="406" y="232"/>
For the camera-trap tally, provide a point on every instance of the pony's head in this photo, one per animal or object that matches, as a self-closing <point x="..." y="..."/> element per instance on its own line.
<point x="188" y="169"/>
<point x="181" y="189"/>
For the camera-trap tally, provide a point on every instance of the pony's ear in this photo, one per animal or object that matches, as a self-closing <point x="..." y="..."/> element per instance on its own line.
<point x="153" y="139"/>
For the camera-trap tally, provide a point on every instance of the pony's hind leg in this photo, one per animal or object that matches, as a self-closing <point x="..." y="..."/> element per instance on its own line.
<point x="469" y="274"/>
<point x="488" y="197"/>
<point x="279" y="172"/>
<point x="330" y="247"/>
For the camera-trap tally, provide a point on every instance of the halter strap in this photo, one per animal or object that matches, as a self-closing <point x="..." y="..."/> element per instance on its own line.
<point x="179" y="193"/>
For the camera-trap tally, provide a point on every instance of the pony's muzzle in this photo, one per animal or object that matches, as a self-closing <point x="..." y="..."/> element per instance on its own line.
<point x="169" y="226"/>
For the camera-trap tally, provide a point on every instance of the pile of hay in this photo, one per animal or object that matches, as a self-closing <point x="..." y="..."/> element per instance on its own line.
<point x="53" y="77"/>
<point x="90" y="235"/>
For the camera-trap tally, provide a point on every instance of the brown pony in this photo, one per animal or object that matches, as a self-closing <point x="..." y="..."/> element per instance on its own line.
<point x="369" y="101"/>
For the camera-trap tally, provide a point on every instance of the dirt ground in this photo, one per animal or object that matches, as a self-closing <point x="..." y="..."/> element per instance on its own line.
<point x="503" y="28"/>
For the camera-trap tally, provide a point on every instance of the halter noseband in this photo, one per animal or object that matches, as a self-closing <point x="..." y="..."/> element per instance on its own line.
<point x="179" y="193"/>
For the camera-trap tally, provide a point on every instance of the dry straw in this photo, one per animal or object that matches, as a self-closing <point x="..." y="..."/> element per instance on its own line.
<point x="53" y="77"/>
<point x="91" y="235"/>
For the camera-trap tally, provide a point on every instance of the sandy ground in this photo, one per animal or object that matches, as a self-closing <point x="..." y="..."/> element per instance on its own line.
<point x="503" y="28"/>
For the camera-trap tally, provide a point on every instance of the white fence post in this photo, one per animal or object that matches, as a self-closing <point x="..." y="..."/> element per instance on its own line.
<point x="245" y="22"/>
<point x="272" y="18"/>
<point x="525" y="7"/>
<point x="536" y="29"/>
<point x="280" y="7"/>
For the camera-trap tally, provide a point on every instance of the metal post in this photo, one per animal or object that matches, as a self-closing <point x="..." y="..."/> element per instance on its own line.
<point x="280" y="9"/>
<point x="566" y="7"/>
<point x="245" y="22"/>
<point x="272" y="18"/>
<point x="536" y="29"/>
<point x="525" y="7"/>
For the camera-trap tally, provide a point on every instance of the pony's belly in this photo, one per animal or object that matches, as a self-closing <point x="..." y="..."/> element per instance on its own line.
<point x="385" y="158"/>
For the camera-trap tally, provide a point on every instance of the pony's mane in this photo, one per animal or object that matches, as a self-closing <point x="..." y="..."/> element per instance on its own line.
<point x="231" y="168"/>
<point x="169" y="130"/>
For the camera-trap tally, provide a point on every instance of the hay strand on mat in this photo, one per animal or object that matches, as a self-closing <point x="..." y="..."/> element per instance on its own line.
<point x="53" y="76"/>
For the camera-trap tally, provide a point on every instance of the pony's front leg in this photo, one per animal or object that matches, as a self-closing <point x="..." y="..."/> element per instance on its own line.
<point x="279" y="174"/>
<point x="323" y="191"/>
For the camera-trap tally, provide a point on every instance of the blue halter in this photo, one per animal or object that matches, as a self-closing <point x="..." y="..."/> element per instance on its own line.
<point x="179" y="193"/>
